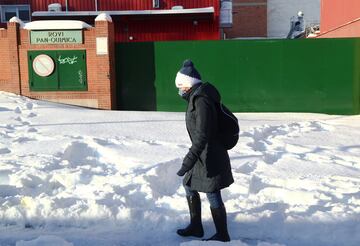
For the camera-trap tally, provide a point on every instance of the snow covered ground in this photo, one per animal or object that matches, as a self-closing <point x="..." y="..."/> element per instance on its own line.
<point x="74" y="176"/>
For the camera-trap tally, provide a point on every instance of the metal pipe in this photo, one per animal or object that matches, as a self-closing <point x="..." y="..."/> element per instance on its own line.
<point x="66" y="5"/>
<point x="96" y="5"/>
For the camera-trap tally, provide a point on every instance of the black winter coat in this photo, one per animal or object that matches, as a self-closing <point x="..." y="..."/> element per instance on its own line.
<point x="207" y="161"/>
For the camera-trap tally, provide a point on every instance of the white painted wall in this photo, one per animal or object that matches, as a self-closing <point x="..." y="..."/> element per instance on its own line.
<point x="280" y="12"/>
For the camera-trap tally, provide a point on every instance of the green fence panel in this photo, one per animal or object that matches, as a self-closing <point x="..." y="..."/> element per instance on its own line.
<point x="135" y="74"/>
<point x="357" y="77"/>
<point x="307" y="75"/>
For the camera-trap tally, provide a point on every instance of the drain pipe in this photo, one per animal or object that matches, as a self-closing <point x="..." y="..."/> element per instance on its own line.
<point x="96" y="5"/>
<point x="66" y="5"/>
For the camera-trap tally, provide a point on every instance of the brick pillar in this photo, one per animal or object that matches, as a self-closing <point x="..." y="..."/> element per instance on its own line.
<point x="13" y="40"/>
<point x="105" y="61"/>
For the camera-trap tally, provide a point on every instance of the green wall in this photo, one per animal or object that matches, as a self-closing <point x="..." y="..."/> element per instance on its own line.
<point x="307" y="75"/>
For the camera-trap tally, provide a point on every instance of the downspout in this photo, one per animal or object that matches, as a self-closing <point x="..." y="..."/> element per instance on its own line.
<point x="66" y="5"/>
<point x="96" y="5"/>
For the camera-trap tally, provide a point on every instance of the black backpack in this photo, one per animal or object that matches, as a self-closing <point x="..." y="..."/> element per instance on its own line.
<point x="228" y="127"/>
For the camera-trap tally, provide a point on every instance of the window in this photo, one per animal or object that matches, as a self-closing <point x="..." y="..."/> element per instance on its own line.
<point x="9" y="11"/>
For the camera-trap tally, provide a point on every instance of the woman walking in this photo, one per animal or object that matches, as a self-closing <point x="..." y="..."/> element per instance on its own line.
<point x="207" y="165"/>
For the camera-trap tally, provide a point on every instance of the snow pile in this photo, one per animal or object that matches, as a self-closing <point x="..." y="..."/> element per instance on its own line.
<point x="45" y="240"/>
<point x="103" y="17"/>
<point x="74" y="176"/>
<point x="56" y="25"/>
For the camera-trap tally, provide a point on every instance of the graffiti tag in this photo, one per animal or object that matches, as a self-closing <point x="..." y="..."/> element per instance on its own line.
<point x="81" y="77"/>
<point x="69" y="60"/>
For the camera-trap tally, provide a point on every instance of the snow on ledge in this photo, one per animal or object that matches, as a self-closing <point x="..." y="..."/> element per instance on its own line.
<point x="56" y="25"/>
<point x="17" y="20"/>
<point x="103" y="17"/>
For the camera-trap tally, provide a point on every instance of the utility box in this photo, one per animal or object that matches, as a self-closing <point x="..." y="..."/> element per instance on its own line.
<point x="57" y="70"/>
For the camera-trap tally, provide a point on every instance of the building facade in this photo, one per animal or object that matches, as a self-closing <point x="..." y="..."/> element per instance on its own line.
<point x="280" y="13"/>
<point x="340" y="19"/>
<point x="135" y="20"/>
<point x="249" y="19"/>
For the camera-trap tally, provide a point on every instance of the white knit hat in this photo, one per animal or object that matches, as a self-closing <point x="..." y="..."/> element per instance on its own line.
<point x="187" y="75"/>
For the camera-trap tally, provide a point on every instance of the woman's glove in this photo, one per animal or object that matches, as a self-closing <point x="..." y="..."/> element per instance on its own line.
<point x="188" y="164"/>
<point x="182" y="171"/>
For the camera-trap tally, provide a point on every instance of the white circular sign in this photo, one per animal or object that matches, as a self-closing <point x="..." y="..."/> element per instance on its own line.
<point x="43" y="65"/>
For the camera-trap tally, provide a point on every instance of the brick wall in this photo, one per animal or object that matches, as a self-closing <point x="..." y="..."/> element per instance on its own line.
<point x="4" y="54"/>
<point x="9" y="67"/>
<point x="100" y="73"/>
<point x="249" y="19"/>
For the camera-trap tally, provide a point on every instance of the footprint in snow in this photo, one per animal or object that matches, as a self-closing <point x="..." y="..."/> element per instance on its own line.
<point x="104" y="142"/>
<point x="3" y="109"/>
<point x="18" y="110"/>
<point x="4" y="151"/>
<point x="272" y="156"/>
<point x="32" y="130"/>
<point x="256" y="185"/>
<point x="247" y="168"/>
<point x="22" y="121"/>
<point x="24" y="140"/>
<point x="29" y="106"/>
<point x="32" y="115"/>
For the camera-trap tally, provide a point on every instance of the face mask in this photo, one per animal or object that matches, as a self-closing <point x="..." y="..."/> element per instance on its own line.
<point x="185" y="94"/>
<point x="182" y="92"/>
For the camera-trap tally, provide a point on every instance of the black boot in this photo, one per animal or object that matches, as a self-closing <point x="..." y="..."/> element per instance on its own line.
<point x="195" y="228"/>
<point x="219" y="217"/>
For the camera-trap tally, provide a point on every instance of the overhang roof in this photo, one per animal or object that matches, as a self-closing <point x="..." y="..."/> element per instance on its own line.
<point x="208" y="10"/>
<point x="56" y="25"/>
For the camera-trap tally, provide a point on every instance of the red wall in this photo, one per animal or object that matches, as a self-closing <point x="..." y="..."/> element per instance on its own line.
<point x="335" y="13"/>
<point x="73" y="5"/>
<point x="162" y="29"/>
<point x="149" y="28"/>
<point x="83" y="5"/>
<point x="147" y="4"/>
<point x="146" y="28"/>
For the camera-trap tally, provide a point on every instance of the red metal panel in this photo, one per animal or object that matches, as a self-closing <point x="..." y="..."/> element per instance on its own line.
<point x="147" y="4"/>
<point x="335" y="13"/>
<point x="42" y="5"/>
<point x="73" y="5"/>
<point x="81" y="5"/>
<point x="150" y="28"/>
<point x="89" y="5"/>
<point x="165" y="30"/>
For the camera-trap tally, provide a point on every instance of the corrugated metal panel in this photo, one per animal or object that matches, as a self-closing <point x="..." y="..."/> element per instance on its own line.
<point x="73" y="5"/>
<point x="335" y="13"/>
<point x="165" y="30"/>
<point x="89" y="5"/>
<point x="147" y="4"/>
<point x="42" y="5"/>
<point x="81" y="5"/>
<point x="150" y="28"/>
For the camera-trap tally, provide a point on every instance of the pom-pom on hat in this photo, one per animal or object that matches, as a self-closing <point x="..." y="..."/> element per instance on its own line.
<point x="187" y="75"/>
